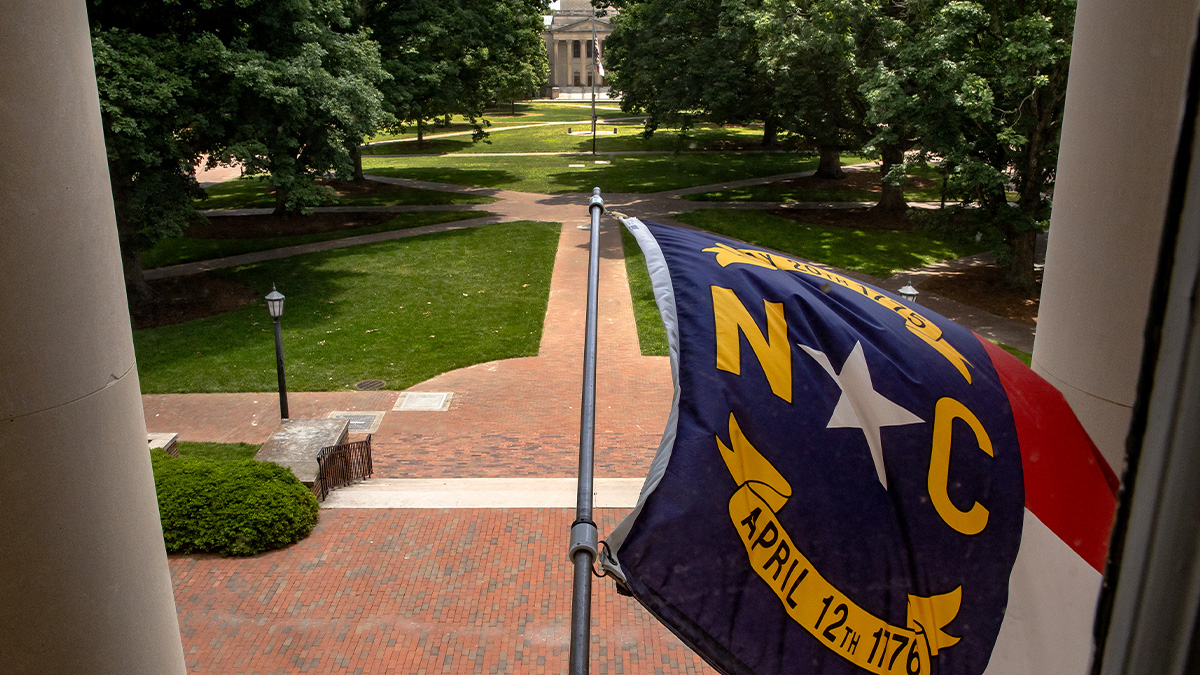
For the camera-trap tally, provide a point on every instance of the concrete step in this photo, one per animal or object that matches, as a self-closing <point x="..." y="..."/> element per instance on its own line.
<point x="480" y="493"/>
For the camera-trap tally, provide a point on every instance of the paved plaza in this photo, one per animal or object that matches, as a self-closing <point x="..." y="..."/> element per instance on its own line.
<point x="477" y="589"/>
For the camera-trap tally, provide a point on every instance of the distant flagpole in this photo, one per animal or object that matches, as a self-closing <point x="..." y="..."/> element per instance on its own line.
<point x="584" y="537"/>
<point x="595" y="74"/>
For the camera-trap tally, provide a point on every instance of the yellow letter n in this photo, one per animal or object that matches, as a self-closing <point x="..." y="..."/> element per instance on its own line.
<point x="773" y="352"/>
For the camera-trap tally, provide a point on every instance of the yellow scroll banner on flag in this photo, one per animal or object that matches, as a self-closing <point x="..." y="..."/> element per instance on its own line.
<point x="811" y="600"/>
<point x="916" y="324"/>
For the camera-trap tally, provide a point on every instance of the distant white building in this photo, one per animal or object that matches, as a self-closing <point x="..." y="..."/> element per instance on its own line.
<point x="569" y="46"/>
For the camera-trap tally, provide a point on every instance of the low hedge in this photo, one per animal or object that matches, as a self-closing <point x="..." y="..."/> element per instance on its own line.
<point x="239" y="507"/>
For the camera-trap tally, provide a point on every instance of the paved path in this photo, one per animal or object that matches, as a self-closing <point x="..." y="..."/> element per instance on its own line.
<point x="480" y="584"/>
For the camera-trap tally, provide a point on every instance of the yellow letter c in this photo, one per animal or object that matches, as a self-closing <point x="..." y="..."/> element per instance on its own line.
<point x="967" y="522"/>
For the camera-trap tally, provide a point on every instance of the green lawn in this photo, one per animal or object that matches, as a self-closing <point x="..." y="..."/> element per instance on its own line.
<point x="187" y="249"/>
<point x="874" y="252"/>
<point x="879" y="253"/>
<point x="622" y="173"/>
<point x="1024" y="356"/>
<point x="400" y="311"/>
<point x="555" y="138"/>
<point x="780" y="192"/>
<point x="252" y="193"/>
<point x="539" y="112"/>
<point x="652" y="336"/>
<point x="218" y="451"/>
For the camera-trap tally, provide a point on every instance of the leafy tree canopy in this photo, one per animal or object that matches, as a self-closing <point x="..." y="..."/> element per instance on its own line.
<point x="674" y="59"/>
<point x="449" y="57"/>
<point x="981" y="86"/>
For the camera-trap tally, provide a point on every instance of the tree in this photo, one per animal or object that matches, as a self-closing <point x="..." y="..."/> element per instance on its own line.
<point x="448" y="57"/>
<point x="301" y="93"/>
<point x="981" y="85"/>
<point x="809" y="48"/>
<point x="151" y="128"/>
<point x="675" y="59"/>
<point x="518" y="64"/>
<point x="278" y="86"/>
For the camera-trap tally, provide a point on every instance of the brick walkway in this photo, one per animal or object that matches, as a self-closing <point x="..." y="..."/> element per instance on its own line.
<point x="412" y="591"/>
<point x="446" y="591"/>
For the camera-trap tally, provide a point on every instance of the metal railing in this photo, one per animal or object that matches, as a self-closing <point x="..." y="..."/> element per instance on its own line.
<point x="341" y="465"/>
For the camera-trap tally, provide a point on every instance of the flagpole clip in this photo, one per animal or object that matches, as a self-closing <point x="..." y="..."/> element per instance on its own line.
<point x="584" y="537"/>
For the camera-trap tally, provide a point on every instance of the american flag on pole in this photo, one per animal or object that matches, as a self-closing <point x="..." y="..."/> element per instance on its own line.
<point x="596" y="51"/>
<point x="850" y="484"/>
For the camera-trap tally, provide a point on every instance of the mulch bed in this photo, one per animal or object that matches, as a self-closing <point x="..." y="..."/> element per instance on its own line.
<point x="862" y="179"/>
<point x="181" y="299"/>
<point x="255" y="227"/>
<point x="983" y="287"/>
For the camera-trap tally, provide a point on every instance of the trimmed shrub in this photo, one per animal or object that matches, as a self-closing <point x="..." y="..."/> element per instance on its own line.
<point x="239" y="507"/>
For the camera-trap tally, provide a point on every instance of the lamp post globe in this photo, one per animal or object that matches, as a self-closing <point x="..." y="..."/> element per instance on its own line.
<point x="275" y="303"/>
<point x="275" y="308"/>
<point x="909" y="293"/>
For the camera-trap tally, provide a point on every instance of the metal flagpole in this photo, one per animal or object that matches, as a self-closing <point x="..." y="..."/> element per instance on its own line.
<point x="595" y="75"/>
<point x="584" y="537"/>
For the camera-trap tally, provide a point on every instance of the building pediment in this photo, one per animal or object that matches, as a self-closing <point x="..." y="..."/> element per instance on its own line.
<point x="581" y="24"/>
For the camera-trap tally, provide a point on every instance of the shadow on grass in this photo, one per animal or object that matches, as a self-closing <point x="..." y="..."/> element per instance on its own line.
<point x="401" y="311"/>
<point x="655" y="173"/>
<point x="879" y="253"/>
<point x="434" y="146"/>
<point x="437" y="174"/>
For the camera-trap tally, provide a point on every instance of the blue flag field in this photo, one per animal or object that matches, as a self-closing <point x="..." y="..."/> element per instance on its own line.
<point x="850" y="484"/>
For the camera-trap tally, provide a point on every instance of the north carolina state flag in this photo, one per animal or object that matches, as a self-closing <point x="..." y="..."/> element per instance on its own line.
<point x="851" y="484"/>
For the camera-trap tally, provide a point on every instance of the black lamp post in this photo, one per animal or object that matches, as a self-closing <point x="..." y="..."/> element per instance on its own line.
<point x="275" y="307"/>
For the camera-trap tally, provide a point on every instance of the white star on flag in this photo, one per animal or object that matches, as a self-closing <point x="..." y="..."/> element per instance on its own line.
<point x="860" y="406"/>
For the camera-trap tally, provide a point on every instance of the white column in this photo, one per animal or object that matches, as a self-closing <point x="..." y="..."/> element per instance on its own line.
<point x="1123" y="111"/>
<point x="84" y="582"/>
<point x="564" y="62"/>
<point x="575" y="60"/>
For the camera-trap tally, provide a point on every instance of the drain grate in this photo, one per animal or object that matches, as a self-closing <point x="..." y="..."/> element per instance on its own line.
<point x="361" y="422"/>
<point x="369" y="385"/>
<point x="424" y="400"/>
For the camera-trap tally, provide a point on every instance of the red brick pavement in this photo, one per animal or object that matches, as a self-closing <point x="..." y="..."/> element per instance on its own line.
<point x="521" y="417"/>
<point x="413" y="591"/>
<point x="445" y="591"/>
<point x="248" y="418"/>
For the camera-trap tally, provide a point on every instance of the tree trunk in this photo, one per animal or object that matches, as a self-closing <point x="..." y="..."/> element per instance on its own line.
<point x="420" y="133"/>
<point x="513" y="103"/>
<point x="136" y="288"/>
<point x="281" y="196"/>
<point x="892" y="196"/>
<point x="356" y="160"/>
<point x="1020" y="274"/>
<point x="830" y="165"/>
<point x="770" y="132"/>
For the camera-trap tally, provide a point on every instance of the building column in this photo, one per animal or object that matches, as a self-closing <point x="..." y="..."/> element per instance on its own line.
<point x="84" y="582"/>
<point x="1123" y="111"/>
<point x="565" y="64"/>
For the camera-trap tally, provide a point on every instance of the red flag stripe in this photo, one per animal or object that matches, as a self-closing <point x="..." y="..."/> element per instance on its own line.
<point x="1068" y="485"/>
